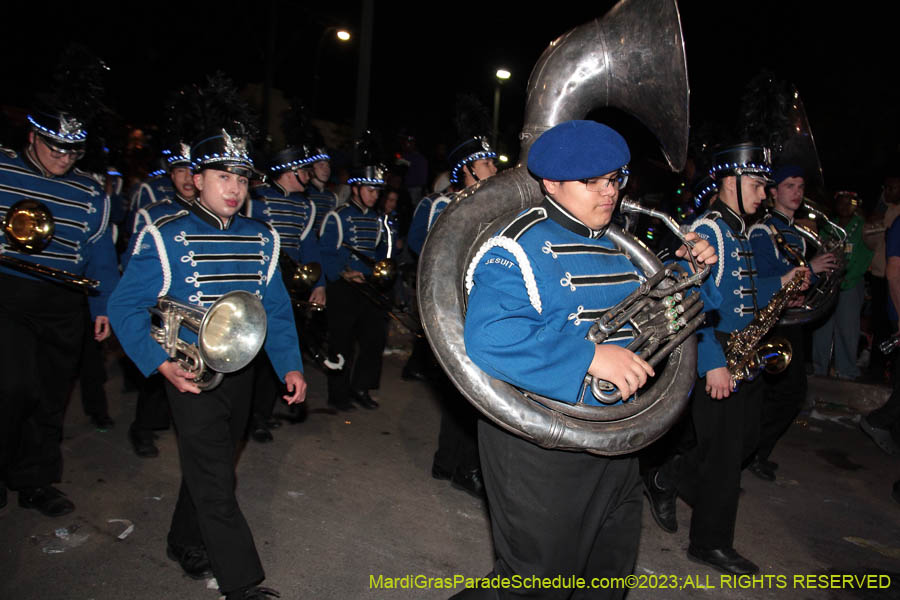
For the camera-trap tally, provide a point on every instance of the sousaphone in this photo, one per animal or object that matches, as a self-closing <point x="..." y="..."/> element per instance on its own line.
<point x="631" y="59"/>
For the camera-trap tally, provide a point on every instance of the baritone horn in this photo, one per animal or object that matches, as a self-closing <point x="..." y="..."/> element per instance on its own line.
<point x="229" y="333"/>
<point x="28" y="226"/>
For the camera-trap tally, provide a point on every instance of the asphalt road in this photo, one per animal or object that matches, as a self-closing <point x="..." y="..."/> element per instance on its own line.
<point x="341" y="499"/>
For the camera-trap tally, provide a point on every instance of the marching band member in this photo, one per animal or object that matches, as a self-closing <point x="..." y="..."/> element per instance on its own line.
<point x="45" y="319"/>
<point x="725" y="420"/>
<point x="352" y="238"/>
<point x="196" y="256"/>
<point x="785" y="392"/>
<point x="284" y="206"/>
<point x="456" y="457"/>
<point x="557" y="512"/>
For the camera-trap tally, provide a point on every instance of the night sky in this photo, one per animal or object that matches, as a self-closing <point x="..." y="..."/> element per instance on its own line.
<point x="843" y="63"/>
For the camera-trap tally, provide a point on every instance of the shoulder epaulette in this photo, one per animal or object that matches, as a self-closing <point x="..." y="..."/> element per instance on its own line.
<point x="524" y="222"/>
<point x="162" y="221"/>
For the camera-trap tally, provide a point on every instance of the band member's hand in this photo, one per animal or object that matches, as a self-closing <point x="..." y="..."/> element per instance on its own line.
<point x="353" y="276"/>
<point x="824" y="263"/>
<point x="101" y="328"/>
<point x="178" y="377"/>
<point x="318" y="296"/>
<point x="703" y="251"/>
<point x="719" y="383"/>
<point x="790" y="275"/>
<point x="622" y="368"/>
<point x="296" y="386"/>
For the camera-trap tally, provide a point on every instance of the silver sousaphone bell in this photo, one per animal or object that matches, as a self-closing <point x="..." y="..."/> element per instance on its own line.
<point x="230" y="334"/>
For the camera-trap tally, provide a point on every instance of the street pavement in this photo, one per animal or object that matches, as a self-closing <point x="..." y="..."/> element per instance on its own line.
<point x="343" y="498"/>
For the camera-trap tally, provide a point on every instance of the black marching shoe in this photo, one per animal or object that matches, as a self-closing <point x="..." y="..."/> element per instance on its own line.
<point x="102" y="421"/>
<point x="761" y="470"/>
<point x="47" y="500"/>
<point x="364" y="399"/>
<point x="193" y="560"/>
<point x="142" y="443"/>
<point x="253" y="593"/>
<point x="439" y="472"/>
<point x="346" y="405"/>
<point x="259" y="431"/>
<point x="662" y="503"/>
<point x="468" y="481"/>
<point x="726" y="560"/>
<point x="412" y="374"/>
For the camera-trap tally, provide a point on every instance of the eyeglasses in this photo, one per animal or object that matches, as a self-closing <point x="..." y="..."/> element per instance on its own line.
<point x="59" y="153"/>
<point x="600" y="184"/>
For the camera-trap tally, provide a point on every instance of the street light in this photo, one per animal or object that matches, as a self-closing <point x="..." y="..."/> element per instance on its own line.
<point x="501" y="75"/>
<point x="342" y="36"/>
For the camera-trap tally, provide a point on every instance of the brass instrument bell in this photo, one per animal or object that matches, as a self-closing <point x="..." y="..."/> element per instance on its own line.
<point x="28" y="226"/>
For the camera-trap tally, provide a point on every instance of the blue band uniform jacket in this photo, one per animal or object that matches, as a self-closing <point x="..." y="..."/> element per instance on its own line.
<point x="771" y="259"/>
<point x="357" y="226"/>
<point x="428" y="210"/>
<point x="82" y="241"/>
<point x="152" y="190"/>
<point x="534" y="295"/>
<point x="743" y="287"/>
<point x="293" y="216"/>
<point x="324" y="200"/>
<point x="196" y="257"/>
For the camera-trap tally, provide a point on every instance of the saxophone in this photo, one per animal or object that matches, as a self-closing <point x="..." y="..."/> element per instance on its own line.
<point x="744" y="354"/>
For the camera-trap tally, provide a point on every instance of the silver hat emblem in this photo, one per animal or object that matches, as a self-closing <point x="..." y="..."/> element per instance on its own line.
<point x="69" y="126"/>
<point x="184" y="150"/>
<point x="236" y="146"/>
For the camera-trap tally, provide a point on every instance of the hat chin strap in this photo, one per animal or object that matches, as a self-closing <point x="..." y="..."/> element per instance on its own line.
<point x="468" y="167"/>
<point x="740" y="196"/>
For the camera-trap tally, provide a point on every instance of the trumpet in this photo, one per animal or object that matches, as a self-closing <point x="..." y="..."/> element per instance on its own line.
<point x="28" y="226"/>
<point x="229" y="333"/>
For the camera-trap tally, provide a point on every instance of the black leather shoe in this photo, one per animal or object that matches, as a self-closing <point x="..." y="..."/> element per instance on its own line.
<point x="726" y="560"/>
<point x="412" y="374"/>
<point x="345" y="405"/>
<point x="253" y="593"/>
<point x="260" y="432"/>
<point x="469" y="481"/>
<point x="142" y="442"/>
<point x="364" y="399"/>
<point x="193" y="560"/>
<point x="662" y="503"/>
<point x="102" y="422"/>
<point x="47" y="500"/>
<point x="758" y="468"/>
<point x="439" y="472"/>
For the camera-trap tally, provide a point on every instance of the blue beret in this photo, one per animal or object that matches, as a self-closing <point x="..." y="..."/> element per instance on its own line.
<point x="785" y="171"/>
<point x="577" y="150"/>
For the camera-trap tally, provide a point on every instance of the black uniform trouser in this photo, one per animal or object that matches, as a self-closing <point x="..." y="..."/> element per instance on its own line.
<point x="92" y="373"/>
<point x="354" y="319"/>
<point x="265" y="388"/>
<point x="708" y="475"/>
<point x="210" y="426"/>
<point x="41" y="325"/>
<point x="785" y="393"/>
<point x="558" y="513"/>
<point x="457" y="442"/>
<point x="152" y="408"/>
